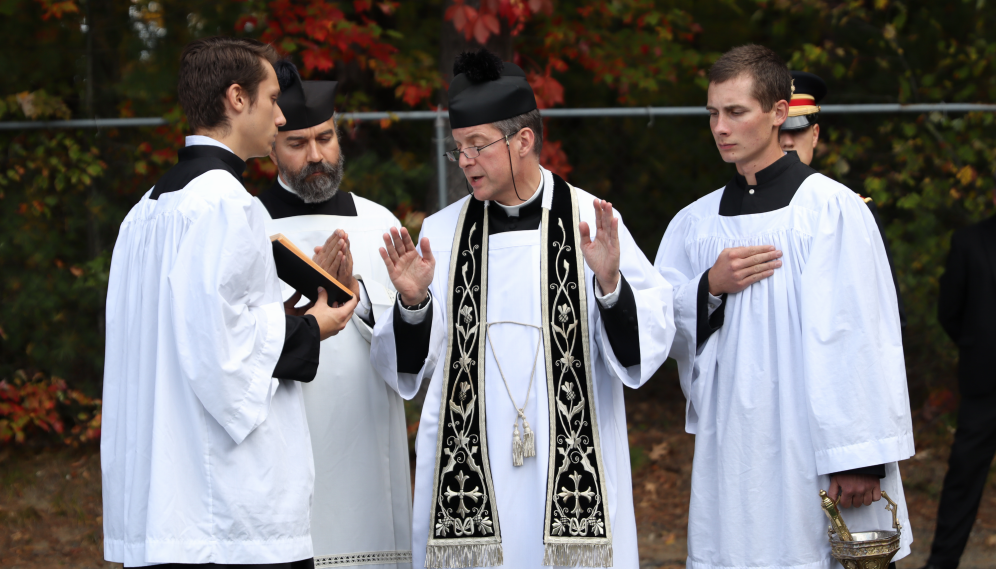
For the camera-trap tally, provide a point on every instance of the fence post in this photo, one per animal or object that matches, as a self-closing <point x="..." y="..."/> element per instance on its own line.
<point x="441" y="158"/>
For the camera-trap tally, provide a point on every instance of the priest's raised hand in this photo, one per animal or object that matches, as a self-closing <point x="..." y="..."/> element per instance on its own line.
<point x="602" y="253"/>
<point x="410" y="272"/>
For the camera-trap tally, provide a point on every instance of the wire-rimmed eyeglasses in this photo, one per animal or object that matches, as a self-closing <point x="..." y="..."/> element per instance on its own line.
<point x="471" y="152"/>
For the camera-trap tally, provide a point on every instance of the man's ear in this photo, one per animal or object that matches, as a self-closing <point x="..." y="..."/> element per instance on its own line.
<point x="781" y="112"/>
<point x="816" y="134"/>
<point x="236" y="99"/>
<point x="527" y="139"/>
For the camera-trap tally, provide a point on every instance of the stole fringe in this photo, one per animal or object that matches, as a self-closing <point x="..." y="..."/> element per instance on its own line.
<point x="577" y="555"/>
<point x="459" y="556"/>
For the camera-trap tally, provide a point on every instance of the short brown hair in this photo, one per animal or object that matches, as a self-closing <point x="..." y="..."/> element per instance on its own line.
<point x="209" y="66"/>
<point x="531" y="120"/>
<point x="772" y="80"/>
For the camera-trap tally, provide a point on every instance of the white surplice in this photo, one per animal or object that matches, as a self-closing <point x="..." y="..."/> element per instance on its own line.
<point x="205" y="456"/>
<point x="805" y="378"/>
<point x="361" y="514"/>
<point x="514" y="281"/>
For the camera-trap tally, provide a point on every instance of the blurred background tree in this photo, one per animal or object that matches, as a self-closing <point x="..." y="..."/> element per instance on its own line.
<point x="63" y="193"/>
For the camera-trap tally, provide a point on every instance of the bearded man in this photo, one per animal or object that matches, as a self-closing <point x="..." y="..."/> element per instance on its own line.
<point x="361" y="513"/>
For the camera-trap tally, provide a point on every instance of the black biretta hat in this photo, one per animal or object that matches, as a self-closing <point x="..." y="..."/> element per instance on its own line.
<point x="485" y="90"/>
<point x="304" y="103"/>
<point x="804" y="108"/>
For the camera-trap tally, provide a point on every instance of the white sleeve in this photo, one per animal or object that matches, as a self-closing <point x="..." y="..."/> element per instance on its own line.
<point x="228" y="340"/>
<point x="383" y="346"/>
<point x="654" y="313"/>
<point x="674" y="265"/>
<point x="713" y="303"/>
<point x="855" y="374"/>
<point x="416" y="316"/>
<point x="606" y="300"/>
<point x="363" y="308"/>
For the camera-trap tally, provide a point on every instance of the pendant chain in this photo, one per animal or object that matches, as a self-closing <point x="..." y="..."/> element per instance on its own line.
<point x="525" y="446"/>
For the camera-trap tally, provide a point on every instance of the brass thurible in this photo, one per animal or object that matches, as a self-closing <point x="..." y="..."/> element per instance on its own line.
<point x="866" y="549"/>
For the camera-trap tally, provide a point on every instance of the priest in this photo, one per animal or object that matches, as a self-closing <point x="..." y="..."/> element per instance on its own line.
<point x="541" y="309"/>
<point x="357" y="423"/>
<point x="204" y="452"/>
<point x="788" y="345"/>
<point x="800" y="133"/>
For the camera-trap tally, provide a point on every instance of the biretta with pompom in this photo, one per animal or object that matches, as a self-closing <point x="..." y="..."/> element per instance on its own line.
<point x="485" y="90"/>
<point x="304" y="103"/>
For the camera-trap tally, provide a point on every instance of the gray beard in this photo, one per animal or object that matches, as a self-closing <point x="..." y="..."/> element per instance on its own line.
<point x="316" y="189"/>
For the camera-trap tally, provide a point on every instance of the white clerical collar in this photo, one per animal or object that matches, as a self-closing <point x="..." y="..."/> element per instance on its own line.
<point x="286" y="186"/>
<point x="513" y="210"/>
<point x="199" y="140"/>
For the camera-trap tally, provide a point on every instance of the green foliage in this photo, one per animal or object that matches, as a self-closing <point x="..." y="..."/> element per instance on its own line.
<point x="53" y="289"/>
<point x="389" y="181"/>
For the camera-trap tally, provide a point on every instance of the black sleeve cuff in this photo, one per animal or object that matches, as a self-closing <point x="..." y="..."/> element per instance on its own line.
<point x="705" y="324"/>
<point x="411" y="341"/>
<point x="302" y="344"/>
<point x="621" y="325"/>
<point x="878" y="471"/>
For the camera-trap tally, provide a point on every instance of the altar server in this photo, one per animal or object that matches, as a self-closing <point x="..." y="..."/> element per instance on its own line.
<point x="205" y="452"/>
<point x="361" y="513"/>
<point x="788" y="344"/>
<point x="527" y="330"/>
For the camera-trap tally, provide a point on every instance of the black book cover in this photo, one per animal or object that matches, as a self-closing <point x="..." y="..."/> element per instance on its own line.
<point x="299" y="271"/>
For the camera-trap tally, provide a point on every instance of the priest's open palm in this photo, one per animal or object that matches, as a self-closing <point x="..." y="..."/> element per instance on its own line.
<point x="410" y="272"/>
<point x="602" y="253"/>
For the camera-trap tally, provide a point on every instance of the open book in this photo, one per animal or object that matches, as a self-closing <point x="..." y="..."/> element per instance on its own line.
<point x="299" y="271"/>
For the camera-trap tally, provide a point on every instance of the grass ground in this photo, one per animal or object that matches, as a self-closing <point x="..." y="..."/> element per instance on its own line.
<point x="50" y="508"/>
